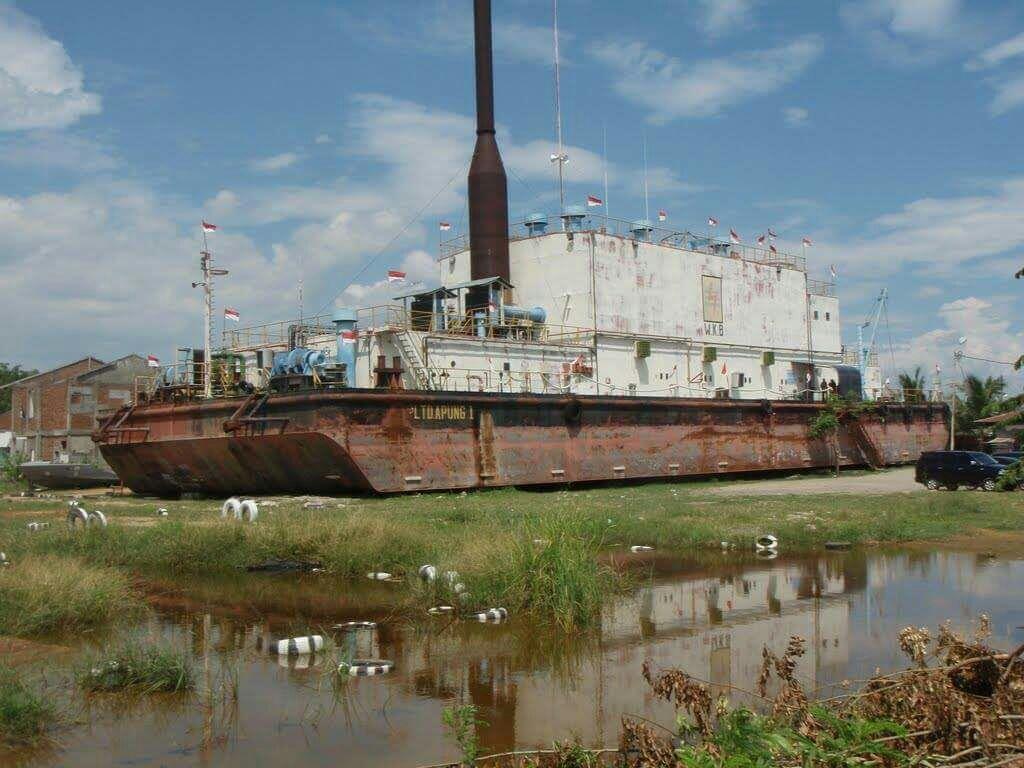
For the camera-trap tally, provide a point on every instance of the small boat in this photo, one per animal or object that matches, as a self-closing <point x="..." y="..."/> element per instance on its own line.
<point x="61" y="475"/>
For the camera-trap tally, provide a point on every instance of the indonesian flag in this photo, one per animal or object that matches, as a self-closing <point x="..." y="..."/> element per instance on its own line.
<point x="593" y="202"/>
<point x="724" y="369"/>
<point x="760" y="239"/>
<point x="396" y="276"/>
<point x="349" y="337"/>
<point x="444" y="226"/>
<point x="832" y="270"/>
<point x="712" y="221"/>
<point x="152" y="361"/>
<point x="807" y="242"/>
<point x="207" y="227"/>
<point x="662" y="215"/>
<point x="733" y="237"/>
<point x="231" y="314"/>
<point x="773" y="249"/>
<point x="771" y="234"/>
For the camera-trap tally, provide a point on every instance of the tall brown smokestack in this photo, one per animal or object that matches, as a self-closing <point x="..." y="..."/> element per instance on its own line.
<point x="488" y="187"/>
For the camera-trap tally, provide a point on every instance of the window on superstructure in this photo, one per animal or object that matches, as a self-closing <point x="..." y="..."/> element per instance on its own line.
<point x="815" y="314"/>
<point x="828" y="315"/>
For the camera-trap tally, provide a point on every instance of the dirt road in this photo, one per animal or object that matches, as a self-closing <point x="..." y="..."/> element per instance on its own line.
<point x="899" y="480"/>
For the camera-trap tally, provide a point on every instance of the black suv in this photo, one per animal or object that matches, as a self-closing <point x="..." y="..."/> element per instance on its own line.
<point x="951" y="469"/>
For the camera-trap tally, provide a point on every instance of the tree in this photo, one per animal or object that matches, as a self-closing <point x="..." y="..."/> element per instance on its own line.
<point x="912" y="385"/>
<point x="9" y="373"/>
<point x="981" y="399"/>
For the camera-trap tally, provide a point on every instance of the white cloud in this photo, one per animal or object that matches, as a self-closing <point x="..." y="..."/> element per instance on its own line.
<point x="672" y="89"/>
<point x="39" y="85"/>
<point x="990" y="333"/>
<point x="943" y="234"/>
<point x="1009" y="94"/>
<point x="913" y="32"/>
<point x="997" y="54"/>
<point x="275" y="163"/>
<point x="322" y="138"/>
<point x="722" y="17"/>
<point x="795" y="115"/>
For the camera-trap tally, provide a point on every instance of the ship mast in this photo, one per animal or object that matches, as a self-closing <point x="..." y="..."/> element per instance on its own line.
<point x="561" y="158"/>
<point x="209" y="272"/>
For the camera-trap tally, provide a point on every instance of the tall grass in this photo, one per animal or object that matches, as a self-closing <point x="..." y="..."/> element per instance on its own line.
<point x="24" y="714"/>
<point x="138" y="667"/>
<point x="47" y="594"/>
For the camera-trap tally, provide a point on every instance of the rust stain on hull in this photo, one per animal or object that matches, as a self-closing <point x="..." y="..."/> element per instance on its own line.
<point x="368" y="440"/>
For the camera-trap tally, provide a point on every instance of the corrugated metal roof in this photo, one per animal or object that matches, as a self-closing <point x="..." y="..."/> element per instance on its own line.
<point x="448" y="289"/>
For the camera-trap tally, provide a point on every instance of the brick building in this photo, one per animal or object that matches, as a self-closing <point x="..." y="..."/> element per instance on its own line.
<point x="54" y="413"/>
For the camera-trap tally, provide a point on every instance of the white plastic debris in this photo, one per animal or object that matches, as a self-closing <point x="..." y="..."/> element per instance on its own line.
<point x="365" y="667"/>
<point x="249" y="511"/>
<point x="640" y="548"/>
<point x="766" y="542"/>
<point x="428" y="572"/>
<point x="378" y="575"/>
<point x="4" y="562"/>
<point x="490" y="616"/>
<point x="295" y="646"/>
<point x="77" y="516"/>
<point x="162" y="512"/>
<point x="34" y="526"/>
<point x="439" y="610"/>
<point x="352" y="626"/>
<point x="231" y="508"/>
<point x="97" y="518"/>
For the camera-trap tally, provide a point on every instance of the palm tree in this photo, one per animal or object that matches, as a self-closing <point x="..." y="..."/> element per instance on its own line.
<point x="981" y="399"/>
<point x="912" y="385"/>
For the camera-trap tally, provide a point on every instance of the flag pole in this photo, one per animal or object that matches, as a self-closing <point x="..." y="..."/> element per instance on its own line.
<point x="558" y="122"/>
<point x="647" y="208"/>
<point x="605" y="162"/>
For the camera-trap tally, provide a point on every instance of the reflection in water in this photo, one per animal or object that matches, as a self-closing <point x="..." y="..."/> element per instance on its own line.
<point x="710" y="619"/>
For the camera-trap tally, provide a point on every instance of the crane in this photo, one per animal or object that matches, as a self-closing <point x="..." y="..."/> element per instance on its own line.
<point x="864" y="351"/>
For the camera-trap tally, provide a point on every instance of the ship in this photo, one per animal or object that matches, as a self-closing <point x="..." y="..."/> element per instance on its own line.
<point x="556" y="350"/>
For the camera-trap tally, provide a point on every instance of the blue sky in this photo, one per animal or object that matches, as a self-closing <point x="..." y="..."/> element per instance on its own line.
<point x="885" y="130"/>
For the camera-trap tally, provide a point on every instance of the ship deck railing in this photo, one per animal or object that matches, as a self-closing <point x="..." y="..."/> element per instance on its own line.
<point x="276" y="334"/>
<point x="683" y="240"/>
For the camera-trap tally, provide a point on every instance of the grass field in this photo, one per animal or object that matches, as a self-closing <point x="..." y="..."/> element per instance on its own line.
<point x="528" y="550"/>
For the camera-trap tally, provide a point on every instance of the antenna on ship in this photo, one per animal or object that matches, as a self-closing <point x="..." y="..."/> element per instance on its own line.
<point x="209" y="272"/>
<point x="647" y="208"/>
<point x="561" y="158"/>
<point x="604" y="162"/>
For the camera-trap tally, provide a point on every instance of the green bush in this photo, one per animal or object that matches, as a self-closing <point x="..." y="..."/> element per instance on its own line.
<point x="1012" y="478"/>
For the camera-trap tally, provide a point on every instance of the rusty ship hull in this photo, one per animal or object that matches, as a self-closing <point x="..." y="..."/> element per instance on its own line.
<point x="349" y="440"/>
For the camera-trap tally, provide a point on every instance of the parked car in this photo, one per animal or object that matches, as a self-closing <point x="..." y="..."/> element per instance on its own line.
<point x="1006" y="459"/>
<point x="952" y="469"/>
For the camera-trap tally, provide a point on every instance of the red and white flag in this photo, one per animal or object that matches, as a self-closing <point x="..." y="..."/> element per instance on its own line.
<point x="662" y="215"/>
<point x="152" y="361"/>
<point x="208" y="227"/>
<point x="712" y="221"/>
<point x="231" y="314"/>
<point x="724" y="369"/>
<point x="444" y="226"/>
<point x="733" y="237"/>
<point x="760" y="239"/>
<point x="807" y="242"/>
<point x="773" y="249"/>
<point x="349" y="337"/>
<point x="396" y="276"/>
<point x="771" y="234"/>
<point x="832" y="270"/>
<point x="593" y="202"/>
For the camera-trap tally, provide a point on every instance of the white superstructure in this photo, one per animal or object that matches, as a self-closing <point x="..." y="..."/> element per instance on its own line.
<point x="623" y="314"/>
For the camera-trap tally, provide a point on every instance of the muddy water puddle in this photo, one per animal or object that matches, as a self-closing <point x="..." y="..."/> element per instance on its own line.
<point x="532" y="686"/>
